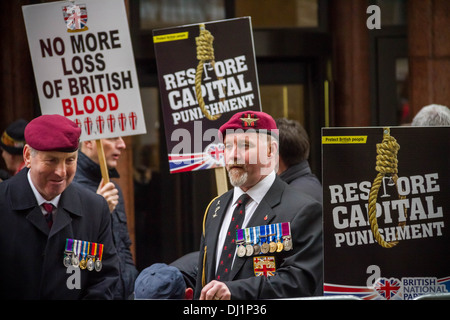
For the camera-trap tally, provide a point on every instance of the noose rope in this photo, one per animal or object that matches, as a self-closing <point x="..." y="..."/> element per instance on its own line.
<point x="386" y="164"/>
<point x="205" y="52"/>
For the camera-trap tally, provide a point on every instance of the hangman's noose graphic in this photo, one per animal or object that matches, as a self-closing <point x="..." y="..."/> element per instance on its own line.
<point x="386" y="164"/>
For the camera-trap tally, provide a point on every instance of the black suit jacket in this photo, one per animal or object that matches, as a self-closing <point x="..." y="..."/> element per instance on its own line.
<point x="299" y="272"/>
<point x="31" y="255"/>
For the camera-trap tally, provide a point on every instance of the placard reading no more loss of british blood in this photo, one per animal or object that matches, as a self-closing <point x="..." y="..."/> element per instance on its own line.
<point x="84" y="66"/>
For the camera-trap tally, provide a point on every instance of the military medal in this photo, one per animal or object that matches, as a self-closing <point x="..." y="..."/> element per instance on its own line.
<point x="279" y="244"/>
<point x="248" y="241"/>
<point x="286" y="232"/>
<point x="91" y="256"/>
<point x="98" y="261"/>
<point x="68" y="253"/>
<point x="240" y="243"/>
<point x="256" y="246"/>
<point x="272" y="244"/>
<point x="263" y="237"/>
<point x="76" y="252"/>
<point x="83" y="262"/>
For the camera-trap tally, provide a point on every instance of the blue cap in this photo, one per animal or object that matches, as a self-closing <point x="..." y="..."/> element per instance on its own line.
<point x="160" y="281"/>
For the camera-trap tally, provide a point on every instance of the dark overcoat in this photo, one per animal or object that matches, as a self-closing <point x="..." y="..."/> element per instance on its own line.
<point x="31" y="254"/>
<point x="299" y="272"/>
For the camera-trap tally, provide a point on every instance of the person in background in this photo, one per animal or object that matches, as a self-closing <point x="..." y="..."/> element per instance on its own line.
<point x="432" y="115"/>
<point x="160" y="281"/>
<point x="293" y="165"/>
<point x="12" y="142"/>
<point x="89" y="175"/>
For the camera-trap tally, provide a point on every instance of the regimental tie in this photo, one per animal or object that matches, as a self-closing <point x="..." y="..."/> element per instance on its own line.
<point x="48" y="207"/>
<point x="229" y="247"/>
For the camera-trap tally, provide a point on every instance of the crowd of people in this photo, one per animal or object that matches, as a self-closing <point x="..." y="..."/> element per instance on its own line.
<point x="261" y="240"/>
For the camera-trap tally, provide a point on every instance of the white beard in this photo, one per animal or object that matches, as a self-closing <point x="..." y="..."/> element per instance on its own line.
<point x="237" y="180"/>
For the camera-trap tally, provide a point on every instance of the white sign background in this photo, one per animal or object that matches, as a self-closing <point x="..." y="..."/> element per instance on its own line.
<point x="88" y="76"/>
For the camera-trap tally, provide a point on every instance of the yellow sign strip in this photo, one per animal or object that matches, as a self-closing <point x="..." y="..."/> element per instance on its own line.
<point x="171" y="37"/>
<point x="343" y="139"/>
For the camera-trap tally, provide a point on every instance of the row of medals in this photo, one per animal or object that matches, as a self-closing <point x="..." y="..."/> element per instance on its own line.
<point x="90" y="263"/>
<point x="249" y="249"/>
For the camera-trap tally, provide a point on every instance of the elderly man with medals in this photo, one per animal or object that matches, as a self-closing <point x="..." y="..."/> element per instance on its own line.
<point x="48" y="224"/>
<point x="262" y="239"/>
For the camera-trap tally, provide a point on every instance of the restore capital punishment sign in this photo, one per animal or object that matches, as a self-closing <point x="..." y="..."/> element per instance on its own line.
<point x="84" y="65"/>
<point x="207" y="73"/>
<point x="386" y="211"/>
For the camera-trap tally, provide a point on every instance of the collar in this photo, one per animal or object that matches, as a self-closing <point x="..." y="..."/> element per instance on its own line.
<point x="92" y="169"/>
<point x="258" y="191"/>
<point x="297" y="170"/>
<point x="40" y="200"/>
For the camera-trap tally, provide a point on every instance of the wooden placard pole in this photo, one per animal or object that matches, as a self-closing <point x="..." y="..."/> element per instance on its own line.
<point x="221" y="180"/>
<point x="102" y="161"/>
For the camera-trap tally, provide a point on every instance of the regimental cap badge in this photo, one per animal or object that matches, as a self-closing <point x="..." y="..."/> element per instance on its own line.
<point x="249" y="120"/>
<point x="75" y="17"/>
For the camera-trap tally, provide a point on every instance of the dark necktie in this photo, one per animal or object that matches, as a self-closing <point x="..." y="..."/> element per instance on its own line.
<point x="229" y="247"/>
<point x="48" y="207"/>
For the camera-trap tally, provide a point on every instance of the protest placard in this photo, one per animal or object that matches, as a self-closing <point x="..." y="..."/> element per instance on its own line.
<point x="386" y="211"/>
<point x="207" y="72"/>
<point x="84" y="66"/>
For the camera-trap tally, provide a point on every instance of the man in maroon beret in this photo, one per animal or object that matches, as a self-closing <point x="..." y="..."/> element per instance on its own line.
<point x="261" y="239"/>
<point x="42" y="210"/>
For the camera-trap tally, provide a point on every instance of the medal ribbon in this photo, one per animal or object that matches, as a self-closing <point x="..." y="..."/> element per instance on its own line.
<point x="272" y="232"/>
<point x="286" y="228"/>
<point x="278" y="231"/>
<point x="100" y="251"/>
<point x="252" y="235"/>
<point x="69" y="245"/>
<point x="78" y="254"/>
<point x="239" y="235"/>
<point x="248" y="235"/>
<point x="75" y="247"/>
<point x="83" y="250"/>
<point x="93" y="249"/>
<point x="262" y="232"/>
<point x="255" y="235"/>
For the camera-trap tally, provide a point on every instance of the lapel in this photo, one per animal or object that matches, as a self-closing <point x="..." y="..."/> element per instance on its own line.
<point x="69" y="205"/>
<point x="22" y="199"/>
<point x="263" y="215"/>
<point x="215" y="217"/>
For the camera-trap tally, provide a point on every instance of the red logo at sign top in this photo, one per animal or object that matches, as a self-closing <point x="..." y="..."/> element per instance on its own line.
<point x="75" y="17"/>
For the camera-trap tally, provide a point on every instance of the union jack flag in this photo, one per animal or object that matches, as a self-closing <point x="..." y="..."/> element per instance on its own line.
<point x="212" y="157"/>
<point x="387" y="288"/>
<point x="215" y="151"/>
<point x="264" y="266"/>
<point x="75" y="17"/>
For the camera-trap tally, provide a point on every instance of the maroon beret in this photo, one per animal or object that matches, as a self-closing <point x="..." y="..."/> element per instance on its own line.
<point x="249" y="120"/>
<point x="53" y="133"/>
